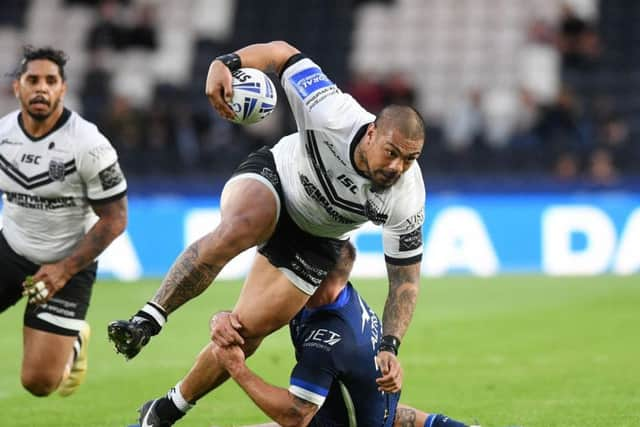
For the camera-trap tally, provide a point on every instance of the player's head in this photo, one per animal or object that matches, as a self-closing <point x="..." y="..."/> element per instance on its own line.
<point x="336" y="279"/>
<point x="343" y="267"/>
<point x="39" y="82"/>
<point x="391" y="144"/>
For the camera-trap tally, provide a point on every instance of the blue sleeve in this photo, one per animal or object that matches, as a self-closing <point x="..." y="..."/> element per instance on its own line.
<point x="320" y="359"/>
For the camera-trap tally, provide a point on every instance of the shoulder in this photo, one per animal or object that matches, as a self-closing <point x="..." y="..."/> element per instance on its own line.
<point x="9" y="120"/>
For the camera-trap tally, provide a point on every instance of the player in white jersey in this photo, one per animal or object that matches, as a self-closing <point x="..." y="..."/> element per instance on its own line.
<point x="298" y="202"/>
<point x="64" y="200"/>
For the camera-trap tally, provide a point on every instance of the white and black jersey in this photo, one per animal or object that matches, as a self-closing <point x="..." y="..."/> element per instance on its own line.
<point x="325" y="194"/>
<point x="48" y="184"/>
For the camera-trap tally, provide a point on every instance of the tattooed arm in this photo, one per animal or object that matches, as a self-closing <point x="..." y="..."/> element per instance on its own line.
<point x="276" y="402"/>
<point x="404" y="284"/>
<point x="111" y="223"/>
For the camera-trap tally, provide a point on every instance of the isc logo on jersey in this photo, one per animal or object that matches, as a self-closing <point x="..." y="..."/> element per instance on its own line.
<point x="254" y="96"/>
<point x="309" y="81"/>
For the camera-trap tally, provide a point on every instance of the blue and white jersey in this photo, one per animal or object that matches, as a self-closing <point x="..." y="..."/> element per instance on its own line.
<point x="325" y="193"/>
<point x="336" y="369"/>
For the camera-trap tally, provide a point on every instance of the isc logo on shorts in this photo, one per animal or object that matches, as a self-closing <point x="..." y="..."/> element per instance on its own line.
<point x="309" y="81"/>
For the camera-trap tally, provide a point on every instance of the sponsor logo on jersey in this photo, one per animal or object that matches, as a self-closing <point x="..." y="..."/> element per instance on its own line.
<point x="411" y="240"/>
<point x="415" y="220"/>
<point x="31" y="158"/>
<point x="6" y="141"/>
<point x="36" y="202"/>
<point x="335" y="152"/>
<point x="315" y="193"/>
<point x="98" y="151"/>
<point x="271" y="176"/>
<point x="110" y="176"/>
<point x="309" y="80"/>
<point x="323" y="336"/>
<point x="56" y="170"/>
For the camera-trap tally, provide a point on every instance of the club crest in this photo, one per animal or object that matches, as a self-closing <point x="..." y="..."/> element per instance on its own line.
<point x="56" y="170"/>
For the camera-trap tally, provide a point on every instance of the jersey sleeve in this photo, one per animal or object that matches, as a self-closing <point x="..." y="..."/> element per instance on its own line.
<point x="319" y="362"/>
<point x="402" y="233"/>
<point x="98" y="166"/>
<point x="316" y="101"/>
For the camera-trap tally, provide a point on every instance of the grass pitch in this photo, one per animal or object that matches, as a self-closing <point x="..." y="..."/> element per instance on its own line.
<point x="507" y="351"/>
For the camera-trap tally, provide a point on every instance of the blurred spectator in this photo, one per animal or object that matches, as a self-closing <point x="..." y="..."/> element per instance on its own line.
<point x="601" y="167"/>
<point x="142" y="34"/>
<point x="578" y="40"/>
<point x="368" y="91"/>
<point x="463" y="123"/>
<point x="123" y="126"/>
<point x="566" y="167"/>
<point x="397" y="89"/>
<point x="107" y="31"/>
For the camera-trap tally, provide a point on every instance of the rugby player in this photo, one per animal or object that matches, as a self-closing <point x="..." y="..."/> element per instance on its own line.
<point x="64" y="201"/>
<point x="298" y="202"/>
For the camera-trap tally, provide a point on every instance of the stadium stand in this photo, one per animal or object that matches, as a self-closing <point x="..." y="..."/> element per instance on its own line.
<point x="543" y="87"/>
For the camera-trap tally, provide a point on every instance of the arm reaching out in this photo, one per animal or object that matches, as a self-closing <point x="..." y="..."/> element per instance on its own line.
<point x="404" y="285"/>
<point x="281" y="406"/>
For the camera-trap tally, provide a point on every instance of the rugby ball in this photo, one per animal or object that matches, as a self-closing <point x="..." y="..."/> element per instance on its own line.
<point x="254" y="96"/>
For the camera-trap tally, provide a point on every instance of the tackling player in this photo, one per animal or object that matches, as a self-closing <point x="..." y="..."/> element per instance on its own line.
<point x="63" y="203"/>
<point x="336" y="338"/>
<point x="298" y="202"/>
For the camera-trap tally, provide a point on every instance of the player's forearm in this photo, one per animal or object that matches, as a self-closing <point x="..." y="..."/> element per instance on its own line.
<point x="112" y="223"/>
<point x="404" y="285"/>
<point x="188" y="277"/>
<point x="276" y="402"/>
<point x="268" y="57"/>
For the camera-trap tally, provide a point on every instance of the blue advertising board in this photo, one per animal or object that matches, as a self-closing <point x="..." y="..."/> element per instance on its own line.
<point x="477" y="234"/>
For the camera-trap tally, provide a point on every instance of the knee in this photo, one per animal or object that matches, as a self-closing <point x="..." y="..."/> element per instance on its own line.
<point x="39" y="384"/>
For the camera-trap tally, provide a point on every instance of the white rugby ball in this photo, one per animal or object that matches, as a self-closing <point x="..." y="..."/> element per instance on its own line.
<point x="254" y="96"/>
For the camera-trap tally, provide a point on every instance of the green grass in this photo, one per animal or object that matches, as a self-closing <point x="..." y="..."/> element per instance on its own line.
<point x="526" y="351"/>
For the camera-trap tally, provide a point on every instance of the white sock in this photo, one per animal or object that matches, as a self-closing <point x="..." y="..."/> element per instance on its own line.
<point x="178" y="399"/>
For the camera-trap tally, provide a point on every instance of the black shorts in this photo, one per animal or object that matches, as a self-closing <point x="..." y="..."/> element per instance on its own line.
<point x="304" y="258"/>
<point x="64" y="313"/>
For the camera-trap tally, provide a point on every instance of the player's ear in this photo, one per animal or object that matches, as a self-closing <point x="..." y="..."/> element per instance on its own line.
<point x="16" y="85"/>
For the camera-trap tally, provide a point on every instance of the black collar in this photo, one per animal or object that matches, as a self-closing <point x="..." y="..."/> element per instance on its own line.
<point x="352" y="148"/>
<point x="61" y="121"/>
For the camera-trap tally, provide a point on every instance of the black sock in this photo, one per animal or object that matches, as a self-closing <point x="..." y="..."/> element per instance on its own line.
<point x="167" y="410"/>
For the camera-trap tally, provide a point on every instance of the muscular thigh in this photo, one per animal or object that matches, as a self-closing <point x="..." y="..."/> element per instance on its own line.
<point x="268" y="300"/>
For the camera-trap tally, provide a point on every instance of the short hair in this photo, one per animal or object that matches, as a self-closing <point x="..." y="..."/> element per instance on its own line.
<point x="344" y="265"/>
<point x="404" y="118"/>
<point x="30" y="53"/>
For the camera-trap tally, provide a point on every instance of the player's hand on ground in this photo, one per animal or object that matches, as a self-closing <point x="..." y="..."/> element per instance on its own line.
<point x="391" y="379"/>
<point x="231" y="357"/>
<point x="218" y="88"/>
<point x="225" y="328"/>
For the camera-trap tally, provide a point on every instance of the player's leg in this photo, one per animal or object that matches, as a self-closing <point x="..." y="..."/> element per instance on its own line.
<point x="268" y="301"/>
<point x="45" y="360"/>
<point x="56" y="338"/>
<point x="250" y="205"/>
<point x="407" y="416"/>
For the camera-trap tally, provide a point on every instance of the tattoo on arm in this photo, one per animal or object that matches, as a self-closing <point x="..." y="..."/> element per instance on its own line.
<point x="189" y="277"/>
<point x="404" y="282"/>
<point x="405" y="417"/>
<point x="112" y="222"/>
<point x="301" y="408"/>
